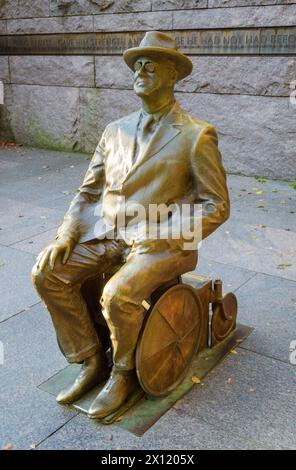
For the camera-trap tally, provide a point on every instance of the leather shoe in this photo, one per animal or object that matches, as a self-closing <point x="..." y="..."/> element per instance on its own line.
<point x="119" y="386"/>
<point x="94" y="371"/>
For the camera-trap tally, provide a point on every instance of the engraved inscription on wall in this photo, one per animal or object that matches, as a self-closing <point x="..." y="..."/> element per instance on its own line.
<point x="254" y="41"/>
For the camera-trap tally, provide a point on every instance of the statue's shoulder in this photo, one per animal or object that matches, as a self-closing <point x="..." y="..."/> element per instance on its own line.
<point x="197" y="123"/>
<point x="121" y="122"/>
<point x="194" y="123"/>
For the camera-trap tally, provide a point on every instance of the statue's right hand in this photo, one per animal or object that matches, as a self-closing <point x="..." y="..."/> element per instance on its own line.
<point x="62" y="246"/>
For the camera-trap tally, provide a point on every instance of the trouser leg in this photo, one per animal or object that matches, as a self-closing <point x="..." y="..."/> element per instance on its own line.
<point x="145" y="270"/>
<point x="60" y="290"/>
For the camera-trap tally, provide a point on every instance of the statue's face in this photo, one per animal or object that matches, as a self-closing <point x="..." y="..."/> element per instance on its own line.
<point x="152" y="75"/>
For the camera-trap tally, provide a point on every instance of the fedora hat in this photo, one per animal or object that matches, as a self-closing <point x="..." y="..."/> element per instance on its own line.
<point x="155" y="44"/>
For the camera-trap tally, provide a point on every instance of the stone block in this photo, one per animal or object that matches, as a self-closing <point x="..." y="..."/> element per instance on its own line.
<point x="241" y="75"/>
<point x="67" y="24"/>
<point x="45" y="116"/>
<point x="257" y="134"/>
<point x="272" y="15"/>
<point x="97" y="109"/>
<point x="97" y="7"/>
<point x="4" y="69"/>
<point x="24" y="9"/>
<point x="6" y="132"/>
<point x="52" y="70"/>
<point x="269" y="76"/>
<point x="134" y="21"/>
<point x="3" y="27"/>
<point x="112" y="72"/>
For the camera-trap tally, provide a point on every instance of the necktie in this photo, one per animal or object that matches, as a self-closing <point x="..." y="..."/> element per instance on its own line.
<point x="146" y="127"/>
<point x="144" y="134"/>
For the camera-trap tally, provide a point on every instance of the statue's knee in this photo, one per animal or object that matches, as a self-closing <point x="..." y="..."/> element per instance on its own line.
<point x="113" y="298"/>
<point x="39" y="278"/>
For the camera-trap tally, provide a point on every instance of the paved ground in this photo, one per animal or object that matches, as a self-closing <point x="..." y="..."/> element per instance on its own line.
<point x="247" y="402"/>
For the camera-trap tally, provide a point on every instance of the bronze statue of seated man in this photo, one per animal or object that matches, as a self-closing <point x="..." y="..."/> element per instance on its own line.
<point x="157" y="155"/>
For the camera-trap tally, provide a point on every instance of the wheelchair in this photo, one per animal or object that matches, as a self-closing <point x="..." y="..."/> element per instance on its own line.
<point x="178" y="325"/>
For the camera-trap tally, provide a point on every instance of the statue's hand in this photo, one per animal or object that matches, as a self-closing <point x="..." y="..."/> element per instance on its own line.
<point x="62" y="246"/>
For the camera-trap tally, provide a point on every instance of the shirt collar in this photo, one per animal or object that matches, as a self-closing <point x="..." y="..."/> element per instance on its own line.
<point x="158" y="115"/>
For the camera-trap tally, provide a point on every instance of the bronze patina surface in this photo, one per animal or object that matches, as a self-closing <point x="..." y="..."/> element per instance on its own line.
<point x="157" y="156"/>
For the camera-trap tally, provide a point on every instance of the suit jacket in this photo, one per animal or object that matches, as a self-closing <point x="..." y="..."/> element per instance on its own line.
<point x="181" y="163"/>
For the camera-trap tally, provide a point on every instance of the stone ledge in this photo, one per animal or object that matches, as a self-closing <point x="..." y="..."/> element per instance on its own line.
<point x="275" y="15"/>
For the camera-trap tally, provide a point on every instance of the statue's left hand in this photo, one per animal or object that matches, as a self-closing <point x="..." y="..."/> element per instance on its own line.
<point x="63" y="246"/>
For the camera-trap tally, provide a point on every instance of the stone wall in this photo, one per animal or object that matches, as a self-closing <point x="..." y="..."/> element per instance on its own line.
<point x="64" y="102"/>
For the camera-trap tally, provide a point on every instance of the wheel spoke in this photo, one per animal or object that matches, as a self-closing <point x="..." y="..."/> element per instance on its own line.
<point x="160" y="350"/>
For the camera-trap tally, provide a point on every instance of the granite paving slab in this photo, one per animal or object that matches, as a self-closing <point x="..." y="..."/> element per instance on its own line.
<point x="16" y="291"/>
<point x="30" y="355"/>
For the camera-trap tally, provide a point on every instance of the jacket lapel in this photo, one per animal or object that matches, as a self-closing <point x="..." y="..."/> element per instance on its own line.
<point x="126" y="139"/>
<point x="170" y="126"/>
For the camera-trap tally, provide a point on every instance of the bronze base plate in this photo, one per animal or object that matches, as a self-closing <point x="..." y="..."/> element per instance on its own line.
<point x="140" y="412"/>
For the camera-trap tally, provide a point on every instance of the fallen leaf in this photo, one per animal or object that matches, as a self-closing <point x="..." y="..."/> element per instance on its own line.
<point x="259" y="192"/>
<point x="261" y="206"/>
<point x="9" y="144"/>
<point x="8" y="447"/>
<point x="233" y="351"/>
<point x="195" y="380"/>
<point x="284" y="265"/>
<point x="252" y="389"/>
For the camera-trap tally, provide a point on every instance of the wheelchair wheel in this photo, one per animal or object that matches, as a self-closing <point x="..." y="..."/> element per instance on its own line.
<point x="170" y="337"/>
